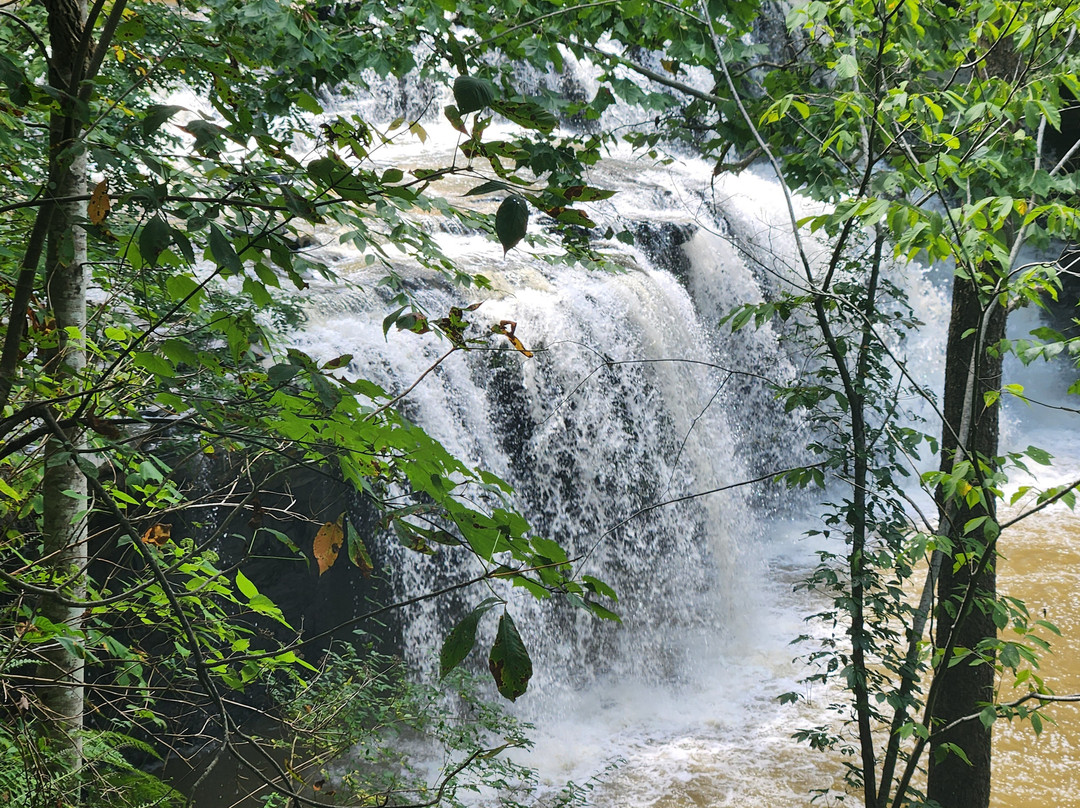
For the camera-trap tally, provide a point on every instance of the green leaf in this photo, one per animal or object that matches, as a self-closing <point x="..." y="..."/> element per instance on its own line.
<point x="1040" y="456"/>
<point x="847" y="67"/>
<point x="358" y="553"/>
<point x="509" y="660"/>
<point x="599" y="587"/>
<point x="988" y="716"/>
<point x="308" y="103"/>
<point x="454" y="116"/>
<point x="157" y="115"/>
<point x="391" y="319"/>
<point x="472" y="94"/>
<point x="15" y="78"/>
<point x="130" y="30"/>
<point x="154" y="238"/>
<point x="602" y="612"/>
<point x="551" y="550"/>
<point x="526" y="113"/>
<point x="334" y="173"/>
<point x="461" y="640"/>
<point x="153" y="363"/>
<point x="8" y="491"/>
<point x="246" y="587"/>
<point x="180" y="287"/>
<point x="221" y="248"/>
<point x="261" y="604"/>
<point x="511" y="221"/>
<point x="573" y="216"/>
<point x="1010" y="656"/>
<point x="488" y="187"/>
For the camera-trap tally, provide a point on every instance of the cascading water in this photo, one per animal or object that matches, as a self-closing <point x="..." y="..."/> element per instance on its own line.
<point x="635" y="397"/>
<point x="628" y="403"/>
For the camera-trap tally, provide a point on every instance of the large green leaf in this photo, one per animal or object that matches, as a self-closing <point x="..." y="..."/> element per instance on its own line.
<point x="511" y="221"/>
<point x="221" y="248"/>
<point x="461" y="640"/>
<point x="15" y="78"/>
<point x="509" y="660"/>
<point x="157" y="115"/>
<point x="154" y="238"/>
<point x="472" y="94"/>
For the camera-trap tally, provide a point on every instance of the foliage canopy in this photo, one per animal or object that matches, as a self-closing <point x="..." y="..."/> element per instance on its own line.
<point x="928" y="127"/>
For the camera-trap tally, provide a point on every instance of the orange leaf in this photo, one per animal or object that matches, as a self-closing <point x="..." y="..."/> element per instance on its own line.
<point x="506" y="328"/>
<point x="158" y="534"/>
<point x="99" y="205"/>
<point x="328" y="543"/>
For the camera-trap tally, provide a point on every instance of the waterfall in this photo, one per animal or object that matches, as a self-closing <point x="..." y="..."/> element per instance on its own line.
<point x="626" y="403"/>
<point x="635" y="396"/>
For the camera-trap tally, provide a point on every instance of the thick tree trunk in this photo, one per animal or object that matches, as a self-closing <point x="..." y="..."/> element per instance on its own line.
<point x="970" y="431"/>
<point x="64" y="489"/>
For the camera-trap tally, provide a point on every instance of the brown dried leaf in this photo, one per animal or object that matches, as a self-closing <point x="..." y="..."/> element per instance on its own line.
<point x="158" y="534"/>
<point x="103" y="427"/>
<point x="99" y="205"/>
<point x="506" y="328"/>
<point x="328" y="543"/>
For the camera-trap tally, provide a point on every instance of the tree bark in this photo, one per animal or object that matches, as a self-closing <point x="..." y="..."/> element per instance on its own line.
<point x="64" y="488"/>
<point x="970" y="432"/>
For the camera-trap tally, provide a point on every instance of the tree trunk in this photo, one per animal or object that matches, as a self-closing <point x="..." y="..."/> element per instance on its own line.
<point x="64" y="489"/>
<point x="970" y="432"/>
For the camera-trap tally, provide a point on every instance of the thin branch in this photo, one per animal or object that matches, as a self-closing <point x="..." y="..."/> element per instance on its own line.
<point x="772" y="475"/>
<point x="1043" y="698"/>
<point x="659" y="78"/>
<point x="116" y="14"/>
<point x="1049" y="501"/>
<point x="537" y="20"/>
<point x="412" y="386"/>
<point x="42" y="48"/>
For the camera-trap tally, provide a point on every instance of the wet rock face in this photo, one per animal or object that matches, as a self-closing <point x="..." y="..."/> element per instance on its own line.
<point x="770" y="29"/>
<point x="662" y="243"/>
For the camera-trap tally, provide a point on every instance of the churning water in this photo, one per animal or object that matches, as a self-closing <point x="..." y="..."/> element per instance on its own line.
<point x="635" y="397"/>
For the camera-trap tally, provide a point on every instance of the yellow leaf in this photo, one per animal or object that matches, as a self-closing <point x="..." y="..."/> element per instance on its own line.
<point x="157" y="534"/>
<point x="7" y="490"/>
<point x="99" y="205"/>
<point x="328" y="543"/>
<point x="1021" y="206"/>
<point x="506" y="328"/>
